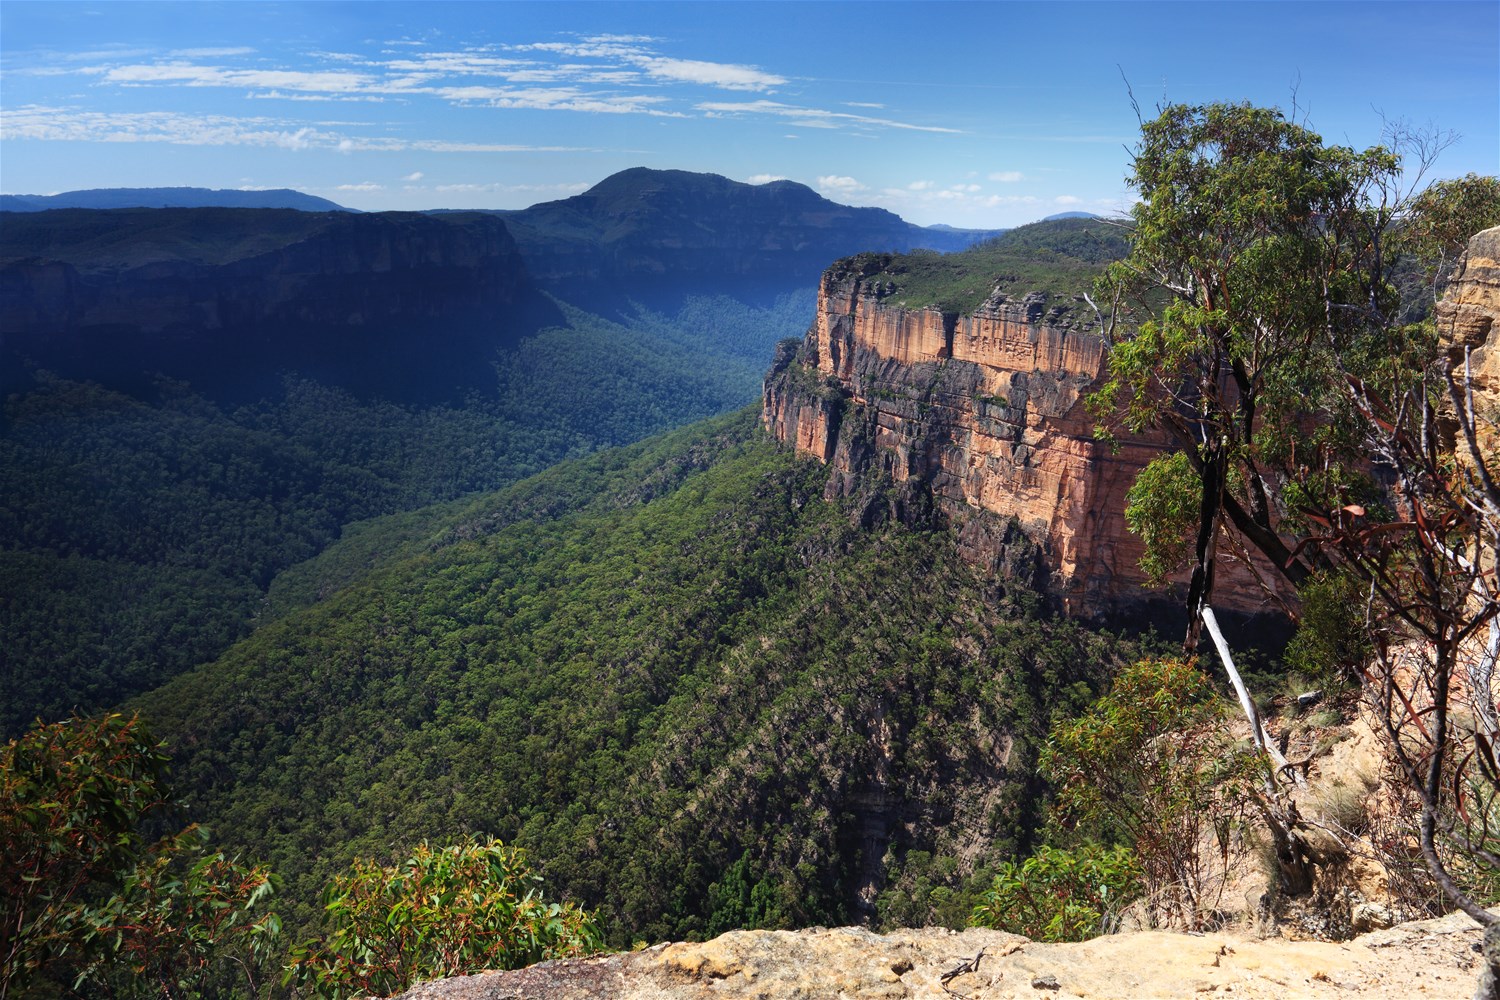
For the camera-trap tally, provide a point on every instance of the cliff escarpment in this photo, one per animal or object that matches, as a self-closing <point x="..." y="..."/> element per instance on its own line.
<point x="980" y="415"/>
<point x="399" y="302"/>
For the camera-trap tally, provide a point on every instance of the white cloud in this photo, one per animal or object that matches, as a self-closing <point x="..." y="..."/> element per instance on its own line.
<point x="239" y="50"/>
<point x="1007" y="176"/>
<point x="415" y="175"/>
<point x="809" y="117"/>
<point x="725" y="76"/>
<point x="362" y="186"/>
<point x="864" y="104"/>
<point x="763" y="178"/>
<point x="919" y="185"/>
<point x="554" y="99"/>
<point x="1068" y="199"/>
<point x="624" y="39"/>
<point x="839" y="185"/>
<point x="965" y="188"/>
<point x="194" y="75"/>
<point x="71" y="125"/>
<point x="458" y="63"/>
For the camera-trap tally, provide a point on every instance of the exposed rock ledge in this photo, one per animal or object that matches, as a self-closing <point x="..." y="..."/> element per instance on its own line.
<point x="1430" y="958"/>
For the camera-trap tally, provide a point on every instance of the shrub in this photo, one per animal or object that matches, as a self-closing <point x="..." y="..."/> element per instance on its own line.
<point x="1060" y="895"/>
<point x="1151" y="762"/>
<point x="441" y="912"/>
<point x="87" y="900"/>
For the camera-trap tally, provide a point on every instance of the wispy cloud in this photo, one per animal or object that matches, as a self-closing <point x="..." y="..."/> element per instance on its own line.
<point x="533" y="189"/>
<point x="810" y="117"/>
<point x="364" y="186"/>
<point x="763" y="178"/>
<point x="1007" y="176"/>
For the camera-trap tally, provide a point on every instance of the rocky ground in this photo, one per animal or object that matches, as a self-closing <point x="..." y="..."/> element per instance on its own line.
<point x="1430" y="958"/>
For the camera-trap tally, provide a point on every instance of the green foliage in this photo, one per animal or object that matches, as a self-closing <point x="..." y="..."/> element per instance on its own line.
<point x="1441" y="220"/>
<point x="183" y="923"/>
<point x="741" y="900"/>
<point x="1162" y="507"/>
<point x="1060" y="258"/>
<point x="1061" y="895"/>
<point x="87" y="900"/>
<point x="1149" y="762"/>
<point x="1332" y="641"/>
<point x="440" y="912"/>
<point x="1255" y="267"/>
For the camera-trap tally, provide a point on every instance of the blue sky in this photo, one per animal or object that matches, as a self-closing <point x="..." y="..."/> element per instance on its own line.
<point x="970" y="114"/>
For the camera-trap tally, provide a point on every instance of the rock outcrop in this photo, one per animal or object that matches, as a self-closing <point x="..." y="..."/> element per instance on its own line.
<point x="212" y="295"/>
<point x="1432" y="958"/>
<point x="1467" y="319"/>
<point x="984" y="413"/>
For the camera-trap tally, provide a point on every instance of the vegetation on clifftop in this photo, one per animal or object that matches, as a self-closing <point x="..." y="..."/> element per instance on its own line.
<point x="1061" y="258"/>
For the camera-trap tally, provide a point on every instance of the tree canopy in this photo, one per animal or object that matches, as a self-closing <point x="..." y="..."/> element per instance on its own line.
<point x="1258" y="272"/>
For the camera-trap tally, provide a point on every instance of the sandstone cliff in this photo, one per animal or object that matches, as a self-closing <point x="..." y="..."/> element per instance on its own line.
<point x="1467" y="318"/>
<point x="983" y="413"/>
<point x="213" y="294"/>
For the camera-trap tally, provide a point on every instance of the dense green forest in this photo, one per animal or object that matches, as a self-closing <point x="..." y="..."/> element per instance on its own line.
<point x="694" y="692"/>
<point x="139" y="534"/>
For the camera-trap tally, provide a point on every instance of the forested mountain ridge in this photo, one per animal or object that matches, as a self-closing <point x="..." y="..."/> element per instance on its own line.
<point x="628" y="664"/>
<point x="646" y="234"/>
<point x="397" y="305"/>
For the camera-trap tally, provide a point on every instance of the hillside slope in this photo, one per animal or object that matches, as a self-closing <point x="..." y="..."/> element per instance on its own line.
<point x="698" y="696"/>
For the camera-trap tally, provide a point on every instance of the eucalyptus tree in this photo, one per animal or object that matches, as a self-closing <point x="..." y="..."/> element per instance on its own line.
<point x="1257" y="322"/>
<point x="1256" y="262"/>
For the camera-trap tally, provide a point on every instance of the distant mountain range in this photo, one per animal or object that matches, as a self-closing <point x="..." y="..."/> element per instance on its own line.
<point x="644" y="234"/>
<point x="169" y="197"/>
<point x="395" y="301"/>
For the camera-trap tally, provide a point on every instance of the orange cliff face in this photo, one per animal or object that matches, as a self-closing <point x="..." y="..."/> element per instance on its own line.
<point x="987" y="414"/>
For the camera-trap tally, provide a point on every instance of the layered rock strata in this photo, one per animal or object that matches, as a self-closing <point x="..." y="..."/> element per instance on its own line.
<point x="984" y="418"/>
